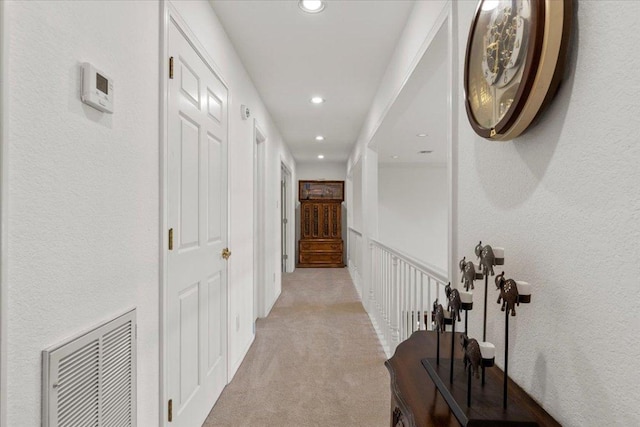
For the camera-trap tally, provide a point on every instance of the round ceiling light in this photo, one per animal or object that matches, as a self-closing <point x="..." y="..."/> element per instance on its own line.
<point x="321" y="156"/>
<point x="317" y="100"/>
<point x="395" y="157"/>
<point x="311" y="6"/>
<point x="319" y="138"/>
<point x="421" y="135"/>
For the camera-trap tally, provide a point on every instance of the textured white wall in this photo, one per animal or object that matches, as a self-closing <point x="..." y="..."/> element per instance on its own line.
<point x="83" y="188"/>
<point x="564" y="201"/>
<point x="336" y="171"/>
<point x="203" y="21"/>
<point x="412" y="211"/>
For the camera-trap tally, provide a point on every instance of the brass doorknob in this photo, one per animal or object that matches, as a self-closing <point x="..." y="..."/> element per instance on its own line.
<point x="226" y="253"/>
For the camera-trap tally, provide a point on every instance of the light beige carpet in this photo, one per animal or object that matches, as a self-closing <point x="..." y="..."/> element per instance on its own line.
<point x="316" y="361"/>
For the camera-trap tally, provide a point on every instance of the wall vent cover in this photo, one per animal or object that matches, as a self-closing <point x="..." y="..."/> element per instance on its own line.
<point x="90" y="380"/>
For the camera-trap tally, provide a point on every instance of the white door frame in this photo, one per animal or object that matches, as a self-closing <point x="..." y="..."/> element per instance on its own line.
<point x="286" y="175"/>
<point x="4" y="186"/>
<point x="259" y="223"/>
<point x="169" y="14"/>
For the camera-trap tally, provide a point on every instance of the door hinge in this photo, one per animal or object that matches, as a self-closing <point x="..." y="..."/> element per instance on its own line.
<point x="285" y="221"/>
<point x="171" y="239"/>
<point x="170" y="410"/>
<point x="171" y="67"/>
<point x="285" y="256"/>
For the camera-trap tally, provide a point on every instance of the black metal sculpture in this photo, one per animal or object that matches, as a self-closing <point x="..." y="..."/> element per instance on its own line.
<point x="468" y="271"/>
<point x="472" y="354"/>
<point x="454" y="304"/>
<point x="508" y="293"/>
<point x="486" y="257"/>
<point x="438" y="316"/>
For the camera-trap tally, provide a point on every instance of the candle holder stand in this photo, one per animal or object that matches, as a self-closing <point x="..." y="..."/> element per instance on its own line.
<point x="487" y="408"/>
<point x="510" y="298"/>
<point x="453" y="342"/>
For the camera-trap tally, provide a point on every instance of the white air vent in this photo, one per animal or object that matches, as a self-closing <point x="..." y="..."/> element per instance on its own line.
<point x="91" y="379"/>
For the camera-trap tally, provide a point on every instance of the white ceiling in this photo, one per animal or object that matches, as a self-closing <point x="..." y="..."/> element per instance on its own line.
<point x="340" y="54"/>
<point x="421" y="107"/>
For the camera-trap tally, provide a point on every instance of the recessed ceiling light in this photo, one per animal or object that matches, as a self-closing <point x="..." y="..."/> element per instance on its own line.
<point x="421" y="135"/>
<point x="319" y="138"/>
<point x="395" y="157"/>
<point x="425" y="151"/>
<point x="320" y="156"/>
<point x="317" y="100"/>
<point x="311" y="6"/>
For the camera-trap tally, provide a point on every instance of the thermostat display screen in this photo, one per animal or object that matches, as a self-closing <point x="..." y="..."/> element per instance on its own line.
<point x="102" y="84"/>
<point x="97" y="88"/>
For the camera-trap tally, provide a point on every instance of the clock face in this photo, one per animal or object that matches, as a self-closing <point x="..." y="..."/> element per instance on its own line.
<point x="497" y="58"/>
<point x="514" y="62"/>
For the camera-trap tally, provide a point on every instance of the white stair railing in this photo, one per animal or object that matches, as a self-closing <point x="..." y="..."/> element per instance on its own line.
<point x="402" y="293"/>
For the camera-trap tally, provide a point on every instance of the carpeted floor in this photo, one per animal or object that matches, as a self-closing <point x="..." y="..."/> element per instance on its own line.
<point x="316" y="361"/>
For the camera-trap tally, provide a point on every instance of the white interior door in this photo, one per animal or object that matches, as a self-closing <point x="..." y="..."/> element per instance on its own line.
<point x="197" y="212"/>
<point x="284" y="220"/>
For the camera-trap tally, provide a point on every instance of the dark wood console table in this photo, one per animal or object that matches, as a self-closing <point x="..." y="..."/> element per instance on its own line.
<point x="415" y="400"/>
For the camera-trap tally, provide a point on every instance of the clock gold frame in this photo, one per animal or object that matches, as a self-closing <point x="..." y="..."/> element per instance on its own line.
<point x="546" y="53"/>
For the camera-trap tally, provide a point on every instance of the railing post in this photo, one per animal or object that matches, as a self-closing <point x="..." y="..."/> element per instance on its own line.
<point x="373" y="261"/>
<point x="395" y="301"/>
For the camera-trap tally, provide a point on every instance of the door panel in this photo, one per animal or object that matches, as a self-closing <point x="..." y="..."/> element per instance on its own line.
<point x="189" y="378"/>
<point x="189" y="175"/>
<point x="215" y="310"/>
<point x="196" y="330"/>
<point x="215" y="161"/>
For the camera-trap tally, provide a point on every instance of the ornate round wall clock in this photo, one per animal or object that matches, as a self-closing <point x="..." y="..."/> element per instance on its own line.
<point x="514" y="62"/>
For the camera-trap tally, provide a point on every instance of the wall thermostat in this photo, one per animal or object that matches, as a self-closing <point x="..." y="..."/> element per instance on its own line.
<point x="97" y="88"/>
<point x="245" y="112"/>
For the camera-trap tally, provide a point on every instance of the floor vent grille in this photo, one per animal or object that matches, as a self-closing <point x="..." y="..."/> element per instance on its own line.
<point x="91" y="379"/>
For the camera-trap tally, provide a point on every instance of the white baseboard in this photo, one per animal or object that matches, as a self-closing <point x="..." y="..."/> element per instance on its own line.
<point x="381" y="339"/>
<point x="272" y="304"/>
<point x="234" y="368"/>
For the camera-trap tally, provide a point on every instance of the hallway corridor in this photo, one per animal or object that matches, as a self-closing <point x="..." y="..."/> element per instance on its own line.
<point x="316" y="361"/>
